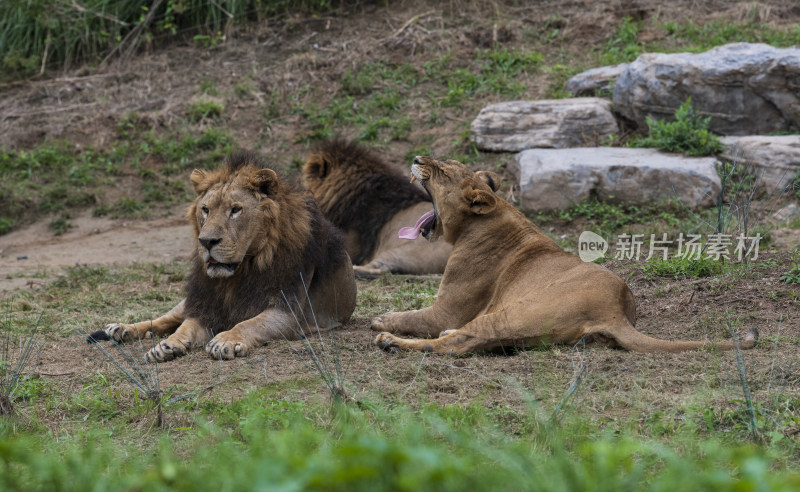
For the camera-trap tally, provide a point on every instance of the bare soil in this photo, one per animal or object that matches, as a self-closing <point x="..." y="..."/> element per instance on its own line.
<point x="83" y="107"/>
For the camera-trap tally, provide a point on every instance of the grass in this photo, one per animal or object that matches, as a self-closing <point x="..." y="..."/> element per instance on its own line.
<point x="372" y="99"/>
<point x="56" y="178"/>
<point x="288" y="445"/>
<point x="288" y="431"/>
<point x="39" y="34"/>
<point x="201" y="110"/>
<point x="671" y="36"/>
<point x="19" y="355"/>
<point x="680" y="266"/>
<point x="792" y="275"/>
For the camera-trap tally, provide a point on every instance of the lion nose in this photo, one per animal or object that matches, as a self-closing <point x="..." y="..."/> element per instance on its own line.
<point x="209" y="243"/>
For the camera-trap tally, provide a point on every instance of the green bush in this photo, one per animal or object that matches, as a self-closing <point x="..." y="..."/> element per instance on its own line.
<point x="687" y="134"/>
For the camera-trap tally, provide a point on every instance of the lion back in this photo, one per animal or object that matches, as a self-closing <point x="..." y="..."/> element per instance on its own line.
<point x="357" y="190"/>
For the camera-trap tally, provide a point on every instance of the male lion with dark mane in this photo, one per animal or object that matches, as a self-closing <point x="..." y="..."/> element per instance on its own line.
<point x="506" y="284"/>
<point x="261" y="247"/>
<point x="370" y="200"/>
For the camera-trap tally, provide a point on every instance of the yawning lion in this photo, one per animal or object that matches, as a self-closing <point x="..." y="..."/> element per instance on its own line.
<point x="506" y="284"/>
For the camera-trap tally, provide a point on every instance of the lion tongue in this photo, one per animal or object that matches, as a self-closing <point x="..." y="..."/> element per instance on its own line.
<point x="413" y="232"/>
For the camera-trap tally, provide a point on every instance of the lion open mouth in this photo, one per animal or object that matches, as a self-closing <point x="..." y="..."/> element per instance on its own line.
<point x="424" y="225"/>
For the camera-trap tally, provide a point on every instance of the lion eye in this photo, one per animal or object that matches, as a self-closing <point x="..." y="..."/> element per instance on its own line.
<point x="204" y="210"/>
<point x="235" y="210"/>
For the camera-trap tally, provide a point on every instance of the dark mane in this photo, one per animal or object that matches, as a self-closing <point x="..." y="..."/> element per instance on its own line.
<point x="372" y="192"/>
<point x="220" y="304"/>
<point x="242" y="158"/>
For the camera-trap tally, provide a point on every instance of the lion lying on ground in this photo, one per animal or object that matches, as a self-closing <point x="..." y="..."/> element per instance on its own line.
<point x="369" y="200"/>
<point x="506" y="284"/>
<point x="261" y="245"/>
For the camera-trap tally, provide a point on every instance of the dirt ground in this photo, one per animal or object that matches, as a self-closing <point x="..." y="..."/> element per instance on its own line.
<point x="82" y="106"/>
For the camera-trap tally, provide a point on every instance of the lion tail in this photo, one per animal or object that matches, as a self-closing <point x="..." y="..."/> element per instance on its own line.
<point x="632" y="339"/>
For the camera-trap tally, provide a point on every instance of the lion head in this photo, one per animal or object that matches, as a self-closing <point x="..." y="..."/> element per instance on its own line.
<point x="456" y="192"/>
<point x="240" y="212"/>
<point x="358" y="191"/>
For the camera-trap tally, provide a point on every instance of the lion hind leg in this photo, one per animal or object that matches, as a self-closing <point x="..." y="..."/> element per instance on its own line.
<point x="486" y="332"/>
<point x="630" y="338"/>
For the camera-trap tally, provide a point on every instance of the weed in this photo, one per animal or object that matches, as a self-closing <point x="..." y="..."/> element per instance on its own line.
<point x="17" y="361"/>
<point x="624" y="45"/>
<point x="792" y="276"/>
<point x="244" y="87"/>
<point x="6" y="224"/>
<point x="60" y="224"/>
<point x="201" y="110"/>
<point x="209" y="87"/>
<point x="679" y="266"/>
<point x="687" y="134"/>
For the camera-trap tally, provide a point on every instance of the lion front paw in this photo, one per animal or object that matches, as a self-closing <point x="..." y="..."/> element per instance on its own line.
<point x="383" y="323"/>
<point x="227" y="346"/>
<point x="387" y="341"/>
<point x="122" y="333"/>
<point x="167" y="350"/>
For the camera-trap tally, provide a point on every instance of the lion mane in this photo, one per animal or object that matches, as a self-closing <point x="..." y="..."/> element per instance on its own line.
<point x="370" y="200"/>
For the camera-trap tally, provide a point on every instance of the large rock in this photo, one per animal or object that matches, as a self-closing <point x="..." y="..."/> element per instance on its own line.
<point x="518" y="125"/>
<point x="595" y="81"/>
<point x="775" y="160"/>
<point x="555" y="179"/>
<point x="747" y="89"/>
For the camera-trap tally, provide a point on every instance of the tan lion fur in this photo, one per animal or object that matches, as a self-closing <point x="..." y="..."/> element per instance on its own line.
<point x="506" y="284"/>
<point x="370" y="201"/>
<point x="261" y="245"/>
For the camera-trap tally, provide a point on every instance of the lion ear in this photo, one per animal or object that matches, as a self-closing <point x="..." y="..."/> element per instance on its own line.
<point x="200" y="181"/>
<point x="478" y="201"/>
<point x="317" y="166"/>
<point x="490" y="178"/>
<point x="264" y="181"/>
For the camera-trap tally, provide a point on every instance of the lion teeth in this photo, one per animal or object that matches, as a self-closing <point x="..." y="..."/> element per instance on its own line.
<point x="413" y="178"/>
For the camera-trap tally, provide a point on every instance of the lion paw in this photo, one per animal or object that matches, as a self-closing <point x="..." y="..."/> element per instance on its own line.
<point x="446" y="332"/>
<point x="226" y="346"/>
<point x="167" y="350"/>
<point x="122" y="333"/>
<point x="387" y="342"/>
<point x="382" y="323"/>
<point x="367" y="272"/>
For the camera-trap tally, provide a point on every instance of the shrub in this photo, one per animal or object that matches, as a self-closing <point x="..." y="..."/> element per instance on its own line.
<point x="688" y="134"/>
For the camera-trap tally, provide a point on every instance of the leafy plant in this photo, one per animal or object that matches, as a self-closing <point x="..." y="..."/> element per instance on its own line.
<point x="687" y="134"/>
